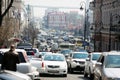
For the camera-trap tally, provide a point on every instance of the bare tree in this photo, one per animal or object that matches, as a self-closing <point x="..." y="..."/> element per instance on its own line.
<point x="31" y="33"/>
<point x="2" y="14"/>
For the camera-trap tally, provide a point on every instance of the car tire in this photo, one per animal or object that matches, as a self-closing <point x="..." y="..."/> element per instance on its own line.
<point x="85" y="74"/>
<point x="91" y="76"/>
<point x="71" y="69"/>
<point x="64" y="75"/>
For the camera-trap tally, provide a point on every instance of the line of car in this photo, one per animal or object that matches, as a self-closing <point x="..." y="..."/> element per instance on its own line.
<point x="24" y="66"/>
<point x="103" y="66"/>
<point x="96" y="65"/>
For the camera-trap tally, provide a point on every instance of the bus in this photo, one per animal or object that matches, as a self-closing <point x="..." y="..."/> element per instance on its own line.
<point x="66" y="46"/>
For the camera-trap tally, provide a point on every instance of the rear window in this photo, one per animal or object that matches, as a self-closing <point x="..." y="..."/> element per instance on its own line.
<point x="21" y="56"/>
<point x="30" y="52"/>
<point x="34" y="50"/>
<point x="80" y="55"/>
<point x="28" y="49"/>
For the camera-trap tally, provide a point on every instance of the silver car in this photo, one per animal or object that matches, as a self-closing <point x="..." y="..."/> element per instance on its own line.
<point x="90" y="64"/>
<point x="108" y="66"/>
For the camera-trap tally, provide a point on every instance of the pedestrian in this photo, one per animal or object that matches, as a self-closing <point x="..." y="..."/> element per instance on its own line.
<point x="10" y="59"/>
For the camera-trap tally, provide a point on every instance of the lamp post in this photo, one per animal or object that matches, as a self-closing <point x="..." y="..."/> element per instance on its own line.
<point x="111" y="27"/>
<point x="85" y="20"/>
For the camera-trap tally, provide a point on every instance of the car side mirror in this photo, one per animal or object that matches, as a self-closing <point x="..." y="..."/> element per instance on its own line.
<point x="88" y="59"/>
<point x="40" y="56"/>
<point x="98" y="64"/>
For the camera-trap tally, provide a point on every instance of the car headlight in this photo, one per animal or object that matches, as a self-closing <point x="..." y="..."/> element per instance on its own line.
<point x="75" y="61"/>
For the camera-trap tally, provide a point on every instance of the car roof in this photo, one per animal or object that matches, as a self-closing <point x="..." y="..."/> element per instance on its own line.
<point x="111" y="53"/>
<point x="19" y="50"/>
<point x="96" y="53"/>
<point x="80" y="52"/>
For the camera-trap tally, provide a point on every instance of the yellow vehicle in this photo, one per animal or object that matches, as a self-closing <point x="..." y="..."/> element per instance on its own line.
<point x="78" y="42"/>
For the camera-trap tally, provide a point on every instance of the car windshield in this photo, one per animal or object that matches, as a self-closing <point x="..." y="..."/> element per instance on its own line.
<point x="80" y="55"/>
<point x="54" y="58"/>
<point x="112" y="61"/>
<point x="65" y="52"/>
<point x="95" y="56"/>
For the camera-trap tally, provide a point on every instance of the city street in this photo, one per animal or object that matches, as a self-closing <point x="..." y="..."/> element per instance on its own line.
<point x="74" y="76"/>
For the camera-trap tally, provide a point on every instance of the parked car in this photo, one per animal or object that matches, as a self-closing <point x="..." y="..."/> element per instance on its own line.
<point x="108" y="66"/>
<point x="77" y="61"/>
<point x="54" y="64"/>
<point x="12" y="75"/>
<point x="90" y="64"/>
<point x="24" y="66"/>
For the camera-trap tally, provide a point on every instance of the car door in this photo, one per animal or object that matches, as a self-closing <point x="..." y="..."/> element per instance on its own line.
<point x="87" y="63"/>
<point x="99" y="68"/>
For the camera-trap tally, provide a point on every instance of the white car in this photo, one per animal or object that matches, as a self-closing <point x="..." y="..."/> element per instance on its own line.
<point x="54" y="64"/>
<point x="24" y="66"/>
<point x="108" y="66"/>
<point x="36" y="51"/>
<point x="77" y="61"/>
<point x="90" y="64"/>
<point x="37" y="62"/>
<point x="12" y="75"/>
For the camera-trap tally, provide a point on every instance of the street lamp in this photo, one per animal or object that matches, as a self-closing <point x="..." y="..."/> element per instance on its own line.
<point x="111" y="27"/>
<point x="85" y="14"/>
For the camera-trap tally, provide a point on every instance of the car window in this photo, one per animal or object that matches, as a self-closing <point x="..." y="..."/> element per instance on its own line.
<point x="54" y="58"/>
<point x="1" y="57"/>
<point x="21" y="56"/>
<point x="65" y="51"/>
<point x="80" y="56"/>
<point x="95" y="56"/>
<point x="34" y="50"/>
<point x="28" y="49"/>
<point x="30" y="53"/>
<point x="112" y="61"/>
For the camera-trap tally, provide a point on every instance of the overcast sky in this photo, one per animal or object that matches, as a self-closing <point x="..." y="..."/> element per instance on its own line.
<point x="39" y="11"/>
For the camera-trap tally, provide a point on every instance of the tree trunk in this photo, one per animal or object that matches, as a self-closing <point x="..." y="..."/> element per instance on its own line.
<point x="5" y="12"/>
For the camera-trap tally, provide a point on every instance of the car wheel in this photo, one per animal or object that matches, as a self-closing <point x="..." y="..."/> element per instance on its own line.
<point x="71" y="70"/>
<point x="85" y="74"/>
<point x="100" y="78"/>
<point x="64" y="75"/>
<point x="91" y="76"/>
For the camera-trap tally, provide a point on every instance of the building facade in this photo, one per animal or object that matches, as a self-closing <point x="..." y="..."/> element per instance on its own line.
<point x="106" y="22"/>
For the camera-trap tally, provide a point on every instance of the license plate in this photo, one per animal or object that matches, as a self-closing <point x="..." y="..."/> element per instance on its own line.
<point x="53" y="71"/>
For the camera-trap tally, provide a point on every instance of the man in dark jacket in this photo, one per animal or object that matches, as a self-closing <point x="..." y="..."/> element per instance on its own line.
<point x="10" y="59"/>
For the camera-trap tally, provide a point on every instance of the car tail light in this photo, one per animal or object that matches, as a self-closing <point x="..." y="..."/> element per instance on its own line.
<point x="42" y="64"/>
<point x="33" y="53"/>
